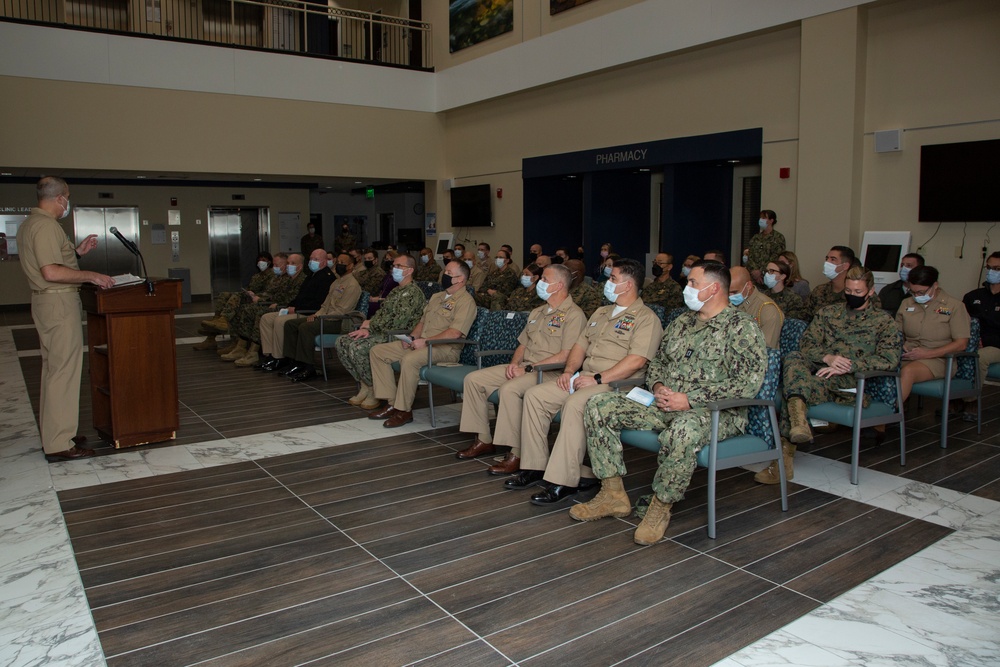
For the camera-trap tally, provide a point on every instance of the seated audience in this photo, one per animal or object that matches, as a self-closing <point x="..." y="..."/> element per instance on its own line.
<point x="524" y="297"/>
<point x="796" y="282"/>
<point x="893" y="294"/>
<point x="534" y="252"/>
<point x="226" y="302"/>
<point x="766" y="313"/>
<point x="662" y="290"/>
<point x="584" y="295"/>
<point x="376" y="298"/>
<point x="510" y="257"/>
<point x="477" y="276"/>
<point x="682" y="277"/>
<point x="838" y="260"/>
<point x="371" y="275"/>
<point x="501" y="280"/>
<point x="984" y="304"/>
<point x="245" y="325"/>
<point x="428" y="270"/>
<point x="715" y="256"/>
<point x="776" y="278"/>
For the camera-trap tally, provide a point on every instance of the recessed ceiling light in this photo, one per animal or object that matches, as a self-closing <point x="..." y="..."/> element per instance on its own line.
<point x="357" y="182"/>
<point x="733" y="161"/>
<point x="6" y="173"/>
<point x="257" y="180"/>
<point x="140" y="177"/>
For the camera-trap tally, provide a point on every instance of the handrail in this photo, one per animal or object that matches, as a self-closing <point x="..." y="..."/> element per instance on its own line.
<point x="297" y="26"/>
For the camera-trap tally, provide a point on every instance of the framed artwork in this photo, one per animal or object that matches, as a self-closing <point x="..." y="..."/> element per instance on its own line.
<point x="556" y="6"/>
<point x="474" y="21"/>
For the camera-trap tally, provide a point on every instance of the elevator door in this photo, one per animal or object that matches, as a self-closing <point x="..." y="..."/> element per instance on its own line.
<point x="110" y="257"/>
<point x="234" y="242"/>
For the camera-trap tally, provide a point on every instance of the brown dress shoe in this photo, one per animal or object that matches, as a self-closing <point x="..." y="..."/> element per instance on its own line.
<point x="478" y="448"/>
<point x="382" y="412"/>
<point x="398" y="418"/>
<point x="510" y="465"/>
<point x="70" y="454"/>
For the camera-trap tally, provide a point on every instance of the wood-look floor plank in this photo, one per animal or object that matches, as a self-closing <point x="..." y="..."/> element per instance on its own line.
<point x="420" y="461"/>
<point x="477" y="653"/>
<point x="975" y="476"/>
<point x="410" y="646"/>
<point x="189" y="479"/>
<point x="953" y="463"/>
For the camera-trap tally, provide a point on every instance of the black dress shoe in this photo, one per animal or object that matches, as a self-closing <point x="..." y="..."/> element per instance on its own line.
<point x="524" y="479"/>
<point x="587" y="483"/>
<point x="70" y="454"/>
<point x="295" y="368"/>
<point x="553" y="494"/>
<point x="304" y="376"/>
<point x="264" y="361"/>
<point x="268" y="366"/>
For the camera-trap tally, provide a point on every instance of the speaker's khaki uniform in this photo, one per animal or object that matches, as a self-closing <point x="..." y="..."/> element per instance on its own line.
<point x="443" y="312"/>
<point x="548" y="332"/>
<point x="607" y="339"/>
<point x="55" y="309"/>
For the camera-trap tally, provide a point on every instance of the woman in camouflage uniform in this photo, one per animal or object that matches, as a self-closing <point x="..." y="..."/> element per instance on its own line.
<point x="522" y="298"/>
<point x="776" y="280"/>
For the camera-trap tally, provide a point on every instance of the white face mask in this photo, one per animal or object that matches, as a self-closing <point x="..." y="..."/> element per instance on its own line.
<point x="525" y="281"/>
<point x="469" y="263"/>
<point x="542" y="290"/>
<point x="500" y="262"/>
<point x="691" y="299"/>
<point x="830" y="270"/>
<point x="610" y="292"/>
<point x="770" y="280"/>
<point x="993" y="276"/>
<point x="481" y="255"/>
<point x="66" y="212"/>
<point x="262" y="266"/>
<point x="685" y="271"/>
<point x="904" y="273"/>
<point x="762" y="223"/>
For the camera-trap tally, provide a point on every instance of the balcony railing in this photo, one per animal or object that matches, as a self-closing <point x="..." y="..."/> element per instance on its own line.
<point x="275" y="25"/>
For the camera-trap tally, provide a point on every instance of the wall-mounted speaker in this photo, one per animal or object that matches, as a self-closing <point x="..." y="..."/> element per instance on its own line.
<point x="888" y="141"/>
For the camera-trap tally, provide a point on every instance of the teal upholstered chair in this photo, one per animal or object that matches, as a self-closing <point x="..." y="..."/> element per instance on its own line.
<point x="326" y="340"/>
<point x="429" y="288"/>
<point x="965" y="384"/>
<point x="761" y="442"/>
<point x="673" y="315"/>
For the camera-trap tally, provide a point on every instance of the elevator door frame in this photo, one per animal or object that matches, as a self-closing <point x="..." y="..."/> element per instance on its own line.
<point x="110" y="257"/>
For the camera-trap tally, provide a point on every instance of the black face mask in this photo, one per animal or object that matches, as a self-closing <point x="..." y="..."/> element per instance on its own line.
<point x="557" y="259"/>
<point x="855" y="302"/>
<point x="445" y="281"/>
<point x="369" y="263"/>
<point x="532" y="257"/>
<point x="341" y="269"/>
<point x="657" y="270"/>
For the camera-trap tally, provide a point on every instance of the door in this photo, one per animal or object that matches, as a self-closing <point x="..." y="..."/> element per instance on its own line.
<point x="234" y="238"/>
<point x="110" y="257"/>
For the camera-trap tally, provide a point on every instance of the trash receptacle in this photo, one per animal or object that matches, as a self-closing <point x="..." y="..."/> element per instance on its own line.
<point x="185" y="275"/>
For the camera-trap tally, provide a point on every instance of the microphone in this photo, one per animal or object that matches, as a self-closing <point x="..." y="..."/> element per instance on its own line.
<point x="132" y="248"/>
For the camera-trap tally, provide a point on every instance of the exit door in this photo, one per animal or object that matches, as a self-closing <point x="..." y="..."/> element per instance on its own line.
<point x="110" y="257"/>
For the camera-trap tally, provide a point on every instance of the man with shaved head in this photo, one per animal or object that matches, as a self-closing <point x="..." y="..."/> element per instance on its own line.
<point x="764" y="311"/>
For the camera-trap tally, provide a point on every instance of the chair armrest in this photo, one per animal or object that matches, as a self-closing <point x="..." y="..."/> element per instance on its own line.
<point x="627" y="382"/>
<point x="492" y="353"/>
<point x="305" y="311"/>
<point x="397" y="332"/>
<point x="542" y="368"/>
<point x="867" y="375"/>
<point x="450" y="341"/>
<point x="738" y="403"/>
<point x="964" y="353"/>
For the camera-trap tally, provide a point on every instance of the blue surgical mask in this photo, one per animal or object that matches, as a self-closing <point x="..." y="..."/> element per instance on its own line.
<point x="737" y="299"/>
<point x="762" y="223"/>
<point x="277" y="270"/>
<point x="397" y="274"/>
<point x="993" y="276"/>
<point x="424" y="259"/>
<point x="904" y="273"/>
<point x="610" y="292"/>
<point x="607" y="271"/>
<point x="262" y="266"/>
<point x="770" y="280"/>
<point x="923" y="298"/>
<point x="685" y="271"/>
<point x="500" y="262"/>
<point x="292" y="269"/>
<point x="314" y="265"/>
<point x="526" y="281"/>
<point x="330" y="263"/>
<point x="542" y="290"/>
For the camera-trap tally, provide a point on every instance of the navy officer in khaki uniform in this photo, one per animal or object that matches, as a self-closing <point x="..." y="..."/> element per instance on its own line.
<point x="48" y="260"/>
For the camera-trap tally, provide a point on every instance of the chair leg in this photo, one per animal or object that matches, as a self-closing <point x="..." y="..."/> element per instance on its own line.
<point x="855" y="453"/>
<point x="944" y="425"/>
<point x="322" y="360"/>
<point x="430" y="399"/>
<point x="711" y="501"/>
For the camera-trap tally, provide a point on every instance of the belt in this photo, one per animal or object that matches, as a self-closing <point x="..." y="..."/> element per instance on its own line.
<point x="58" y="290"/>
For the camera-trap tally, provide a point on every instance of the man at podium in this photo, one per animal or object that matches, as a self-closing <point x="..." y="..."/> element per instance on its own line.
<point x="48" y="259"/>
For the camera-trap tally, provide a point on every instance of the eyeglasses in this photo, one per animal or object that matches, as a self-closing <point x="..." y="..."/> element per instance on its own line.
<point x="993" y="268"/>
<point x="921" y="293"/>
<point x="774" y="272"/>
<point x="400" y="266"/>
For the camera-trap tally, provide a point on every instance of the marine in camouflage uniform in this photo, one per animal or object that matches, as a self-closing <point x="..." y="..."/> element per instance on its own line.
<point x="667" y="294"/>
<point x="227" y="302"/>
<point x="503" y="281"/>
<point x="824" y="295"/>
<point x="724" y="357"/>
<point x="791" y="304"/>
<point x="764" y="248"/>
<point x="371" y="280"/>
<point x="246" y="321"/>
<point x="429" y="272"/>
<point x="587" y="297"/>
<point x="523" y="298"/>
<point x="402" y="309"/>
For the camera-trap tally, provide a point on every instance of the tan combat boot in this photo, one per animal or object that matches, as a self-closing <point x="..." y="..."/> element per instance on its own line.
<point x="221" y="323"/>
<point x="800" y="431"/>
<point x="364" y="393"/>
<point x="371" y="402"/>
<point x="654" y="524"/>
<point x="250" y="358"/>
<point x="611" y="500"/>
<point x="237" y="352"/>
<point x="770" y="474"/>
<point x="228" y="347"/>
<point x="207" y="344"/>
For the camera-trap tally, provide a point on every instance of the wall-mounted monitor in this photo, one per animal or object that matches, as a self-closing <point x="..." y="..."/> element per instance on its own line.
<point x="958" y="182"/>
<point x="471" y="206"/>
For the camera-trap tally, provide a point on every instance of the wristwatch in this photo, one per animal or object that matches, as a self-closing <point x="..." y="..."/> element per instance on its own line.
<point x="529" y="368"/>
<point x="597" y="377"/>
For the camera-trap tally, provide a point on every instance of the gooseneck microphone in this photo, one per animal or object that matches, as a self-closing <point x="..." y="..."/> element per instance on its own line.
<point x="132" y="248"/>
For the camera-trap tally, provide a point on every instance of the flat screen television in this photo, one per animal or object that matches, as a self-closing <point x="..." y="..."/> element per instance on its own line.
<point x="471" y="206"/>
<point x="958" y="182"/>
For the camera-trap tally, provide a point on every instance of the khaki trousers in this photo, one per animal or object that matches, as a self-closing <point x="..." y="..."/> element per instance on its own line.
<point x="60" y="335"/>
<point x="987" y="356"/>
<point x="479" y="385"/>
<point x="541" y="403"/>
<point x="272" y="332"/>
<point x="410" y="362"/>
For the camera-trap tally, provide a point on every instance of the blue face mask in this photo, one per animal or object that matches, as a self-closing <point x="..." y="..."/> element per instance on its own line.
<point x="542" y="290"/>
<point x="526" y="281"/>
<point x="923" y="298"/>
<point x="314" y="266"/>
<point x="762" y="223"/>
<point x="904" y="273"/>
<point x="993" y="276"/>
<point x="277" y="270"/>
<point x="770" y="280"/>
<point x="607" y="271"/>
<point x="736" y="299"/>
<point x="609" y="291"/>
<point x="292" y="269"/>
<point x="397" y="274"/>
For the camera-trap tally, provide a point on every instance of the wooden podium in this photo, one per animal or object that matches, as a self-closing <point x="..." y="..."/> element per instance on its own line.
<point x="133" y="361"/>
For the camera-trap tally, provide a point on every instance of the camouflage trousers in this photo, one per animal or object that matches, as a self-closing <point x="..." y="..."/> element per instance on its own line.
<point x="353" y="354"/>
<point x="226" y="304"/>
<point x="246" y="322"/>
<point x="682" y="434"/>
<point x="800" y="379"/>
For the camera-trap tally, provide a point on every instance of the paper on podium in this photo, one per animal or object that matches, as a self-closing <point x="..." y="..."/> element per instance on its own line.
<point x="126" y="279"/>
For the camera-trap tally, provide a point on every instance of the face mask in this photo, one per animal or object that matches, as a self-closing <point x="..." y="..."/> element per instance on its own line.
<point x="770" y="280"/>
<point x="923" y="298"/>
<point x="312" y="230"/>
<point x="525" y="281"/>
<point x="691" y="299"/>
<point x="66" y="212"/>
<point x="743" y="259"/>
<point x="762" y="223"/>
<point x="468" y="263"/>
<point x="277" y="271"/>
<point x="532" y="257"/>
<point x="369" y="263"/>
<point x="657" y="270"/>
<point x="397" y="274"/>
<point x="542" y="290"/>
<point x="424" y="259"/>
<point x="904" y="273"/>
<point x="607" y="271"/>
<point x="685" y="271"/>
<point x="993" y="276"/>
<point x="330" y="263"/>
<point x="854" y="302"/>
<point x="609" y="291"/>
<point x="481" y="255"/>
<point x="341" y="269"/>
<point x="500" y="262"/>
<point x="445" y="281"/>
<point x="604" y="254"/>
<point x="314" y="265"/>
<point x="830" y="270"/>
<point x="292" y="269"/>
<point x="262" y="266"/>
<point x="737" y="299"/>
